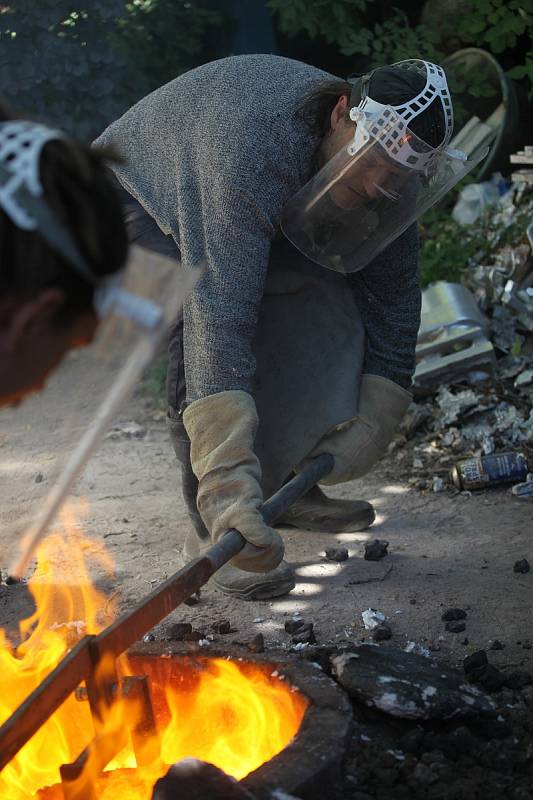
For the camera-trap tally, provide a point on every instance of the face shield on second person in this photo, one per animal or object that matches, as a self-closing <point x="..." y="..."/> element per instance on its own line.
<point x="370" y="191"/>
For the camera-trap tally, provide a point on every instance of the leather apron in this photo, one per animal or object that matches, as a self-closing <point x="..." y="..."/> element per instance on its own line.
<point x="309" y="349"/>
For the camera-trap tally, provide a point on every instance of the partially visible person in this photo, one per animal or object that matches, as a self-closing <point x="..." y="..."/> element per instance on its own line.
<point x="267" y="170"/>
<point x="61" y="232"/>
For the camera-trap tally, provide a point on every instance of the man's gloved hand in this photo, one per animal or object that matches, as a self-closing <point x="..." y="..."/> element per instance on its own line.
<point x="222" y="429"/>
<point x="357" y="444"/>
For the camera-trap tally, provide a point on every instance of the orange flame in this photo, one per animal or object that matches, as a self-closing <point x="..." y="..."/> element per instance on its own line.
<point x="236" y="716"/>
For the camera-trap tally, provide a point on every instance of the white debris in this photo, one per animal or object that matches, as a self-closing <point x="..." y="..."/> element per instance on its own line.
<point x="397" y="754"/>
<point x="415" y="647"/>
<point x="428" y="692"/>
<point x="79" y="625"/>
<point x="390" y="703"/>
<point x="257" y="620"/>
<point x="128" y="430"/>
<point x="438" y="484"/>
<point x="372" y="618"/>
<point x="454" y="406"/>
<point x="524" y="378"/>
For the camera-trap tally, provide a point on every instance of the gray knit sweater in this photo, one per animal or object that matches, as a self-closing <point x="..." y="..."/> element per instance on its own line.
<point x="213" y="156"/>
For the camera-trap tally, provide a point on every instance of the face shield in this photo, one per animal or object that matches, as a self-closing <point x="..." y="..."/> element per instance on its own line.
<point x="374" y="188"/>
<point x="48" y="438"/>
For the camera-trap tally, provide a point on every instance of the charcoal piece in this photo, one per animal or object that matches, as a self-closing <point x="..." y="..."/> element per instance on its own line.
<point x="190" y="778"/>
<point x="178" y="630"/>
<point x="475" y="660"/>
<point x="456" y="743"/>
<point x="192" y="636"/>
<point x="222" y="627"/>
<point x="382" y="632"/>
<point x="454" y="626"/>
<point x="294" y="625"/>
<point x="194" y="599"/>
<point x="453" y="613"/>
<point x="336" y="554"/>
<point x="518" y="679"/>
<point x="12" y="579"/>
<point x="376" y="550"/>
<point x="496" y="645"/>
<point x="305" y="635"/>
<point x="407" y="685"/>
<point x="411" y="742"/>
<point x="487" y="676"/>
<point x="487" y="729"/>
<point x="522" y="566"/>
<point x="257" y="645"/>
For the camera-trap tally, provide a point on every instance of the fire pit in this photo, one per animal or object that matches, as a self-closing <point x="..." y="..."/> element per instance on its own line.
<point x="271" y="722"/>
<point x="82" y="721"/>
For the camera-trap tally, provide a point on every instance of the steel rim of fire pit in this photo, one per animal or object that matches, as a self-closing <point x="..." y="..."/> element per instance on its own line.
<point x="312" y="760"/>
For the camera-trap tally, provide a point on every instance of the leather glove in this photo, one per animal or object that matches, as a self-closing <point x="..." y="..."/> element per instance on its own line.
<point x="357" y="444"/>
<point x="222" y="429"/>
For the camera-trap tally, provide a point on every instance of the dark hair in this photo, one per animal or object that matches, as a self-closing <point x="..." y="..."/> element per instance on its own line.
<point x="316" y="107"/>
<point x="78" y="189"/>
<point x="390" y="85"/>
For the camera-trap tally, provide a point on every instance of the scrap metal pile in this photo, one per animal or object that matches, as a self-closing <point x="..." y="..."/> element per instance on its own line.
<point x="474" y="377"/>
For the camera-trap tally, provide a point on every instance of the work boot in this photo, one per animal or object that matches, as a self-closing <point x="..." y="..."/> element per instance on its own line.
<point x="239" y="582"/>
<point x="317" y="512"/>
<point x="254" y="585"/>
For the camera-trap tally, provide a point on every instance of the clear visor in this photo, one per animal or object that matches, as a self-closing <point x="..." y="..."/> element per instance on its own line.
<point x="49" y="437"/>
<point x="369" y="193"/>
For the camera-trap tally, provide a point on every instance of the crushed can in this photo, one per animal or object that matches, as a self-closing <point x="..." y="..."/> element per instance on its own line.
<point x="483" y="471"/>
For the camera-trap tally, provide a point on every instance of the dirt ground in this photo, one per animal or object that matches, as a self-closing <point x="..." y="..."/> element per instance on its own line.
<point x="445" y="550"/>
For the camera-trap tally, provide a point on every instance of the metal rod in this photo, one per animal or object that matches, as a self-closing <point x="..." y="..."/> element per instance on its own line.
<point x="79" y="664"/>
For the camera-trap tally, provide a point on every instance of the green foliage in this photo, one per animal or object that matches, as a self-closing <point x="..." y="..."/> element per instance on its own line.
<point x="57" y="62"/>
<point x="494" y="25"/>
<point x="447" y="248"/>
<point x="392" y="40"/>
<point x="329" y="19"/>
<point x="163" y="38"/>
<point x="79" y="65"/>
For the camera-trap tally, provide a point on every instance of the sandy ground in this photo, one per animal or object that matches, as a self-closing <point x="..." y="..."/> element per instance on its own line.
<point x="446" y="550"/>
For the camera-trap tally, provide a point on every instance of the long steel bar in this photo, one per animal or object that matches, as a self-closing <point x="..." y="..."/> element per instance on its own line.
<point x="80" y="663"/>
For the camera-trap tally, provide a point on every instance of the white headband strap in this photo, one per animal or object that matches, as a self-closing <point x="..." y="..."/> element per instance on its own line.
<point x="21" y="143"/>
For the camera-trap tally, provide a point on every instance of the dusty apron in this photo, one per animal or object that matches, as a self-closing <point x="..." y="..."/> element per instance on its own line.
<point x="309" y="350"/>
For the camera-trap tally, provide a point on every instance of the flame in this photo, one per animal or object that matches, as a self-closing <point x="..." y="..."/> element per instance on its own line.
<point x="67" y="607"/>
<point x="233" y="715"/>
